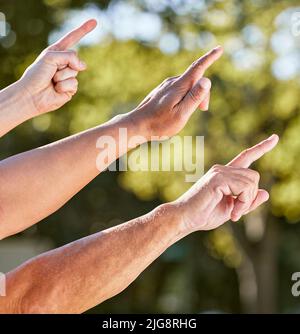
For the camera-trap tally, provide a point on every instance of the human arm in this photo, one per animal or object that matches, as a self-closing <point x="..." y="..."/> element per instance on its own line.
<point x="46" y="85"/>
<point x="80" y="275"/>
<point x="34" y="184"/>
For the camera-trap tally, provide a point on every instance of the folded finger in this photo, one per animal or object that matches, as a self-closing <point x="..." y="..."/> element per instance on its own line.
<point x="239" y="210"/>
<point x="64" y="59"/>
<point x="65" y="74"/>
<point x="204" y="105"/>
<point x="262" y="197"/>
<point x="67" y="86"/>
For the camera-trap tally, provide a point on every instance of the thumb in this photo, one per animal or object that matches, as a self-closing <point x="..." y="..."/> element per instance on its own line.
<point x="261" y="197"/>
<point x="63" y="59"/>
<point x="205" y="103"/>
<point x="196" y="96"/>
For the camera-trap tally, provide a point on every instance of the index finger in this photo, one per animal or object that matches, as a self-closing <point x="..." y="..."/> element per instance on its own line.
<point x="74" y="36"/>
<point x="247" y="157"/>
<point x="197" y="69"/>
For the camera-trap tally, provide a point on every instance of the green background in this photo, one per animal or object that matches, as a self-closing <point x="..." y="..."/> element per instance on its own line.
<point x="243" y="267"/>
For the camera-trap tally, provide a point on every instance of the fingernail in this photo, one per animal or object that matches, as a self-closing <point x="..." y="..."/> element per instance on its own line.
<point x="274" y="135"/>
<point x="205" y="83"/>
<point x="219" y="47"/>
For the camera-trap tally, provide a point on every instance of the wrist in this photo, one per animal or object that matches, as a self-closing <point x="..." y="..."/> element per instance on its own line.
<point x="23" y="100"/>
<point x="171" y="214"/>
<point x="15" y="107"/>
<point x="135" y="134"/>
<point x="189" y="219"/>
<point x="139" y="124"/>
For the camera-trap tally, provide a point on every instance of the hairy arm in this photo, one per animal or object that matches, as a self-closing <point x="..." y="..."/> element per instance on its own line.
<point x="34" y="184"/>
<point x="78" y="276"/>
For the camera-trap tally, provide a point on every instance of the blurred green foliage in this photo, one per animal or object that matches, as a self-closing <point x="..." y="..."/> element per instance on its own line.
<point x="244" y="267"/>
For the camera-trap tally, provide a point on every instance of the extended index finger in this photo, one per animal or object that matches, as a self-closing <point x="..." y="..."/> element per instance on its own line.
<point x="247" y="157"/>
<point x="197" y="69"/>
<point x="74" y="36"/>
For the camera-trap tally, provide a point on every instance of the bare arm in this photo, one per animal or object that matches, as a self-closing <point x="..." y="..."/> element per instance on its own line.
<point x="46" y="85"/>
<point x="16" y="107"/>
<point x="80" y="275"/>
<point x="34" y="184"/>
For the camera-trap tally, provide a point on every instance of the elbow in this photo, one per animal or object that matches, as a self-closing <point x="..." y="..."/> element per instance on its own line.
<point x="10" y="224"/>
<point x="27" y="291"/>
<point x="3" y="235"/>
<point x="3" y="231"/>
<point x="31" y="307"/>
<point x="44" y="294"/>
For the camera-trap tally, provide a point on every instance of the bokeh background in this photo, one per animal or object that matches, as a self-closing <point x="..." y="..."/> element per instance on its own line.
<point x="243" y="267"/>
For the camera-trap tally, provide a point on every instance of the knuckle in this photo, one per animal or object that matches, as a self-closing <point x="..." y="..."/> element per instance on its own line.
<point x="217" y="170"/>
<point x="194" y="64"/>
<point x="49" y="55"/>
<point x="167" y="80"/>
<point x="217" y="167"/>
<point x="254" y="175"/>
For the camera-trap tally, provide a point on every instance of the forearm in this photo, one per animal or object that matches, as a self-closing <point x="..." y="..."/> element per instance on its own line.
<point x="15" y="107"/>
<point x="78" y="276"/>
<point x="36" y="183"/>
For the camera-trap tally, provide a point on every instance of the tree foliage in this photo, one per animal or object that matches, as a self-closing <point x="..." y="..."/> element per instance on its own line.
<point x="248" y="103"/>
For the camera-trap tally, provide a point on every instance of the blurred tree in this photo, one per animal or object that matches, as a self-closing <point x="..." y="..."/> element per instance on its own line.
<point x="243" y="267"/>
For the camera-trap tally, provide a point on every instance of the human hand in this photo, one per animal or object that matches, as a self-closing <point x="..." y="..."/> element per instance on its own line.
<point x="224" y="192"/>
<point x="166" y="110"/>
<point x="51" y="80"/>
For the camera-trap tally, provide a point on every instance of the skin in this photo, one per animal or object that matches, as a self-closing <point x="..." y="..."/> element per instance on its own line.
<point x="66" y="166"/>
<point x="47" y="84"/>
<point x="82" y="274"/>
